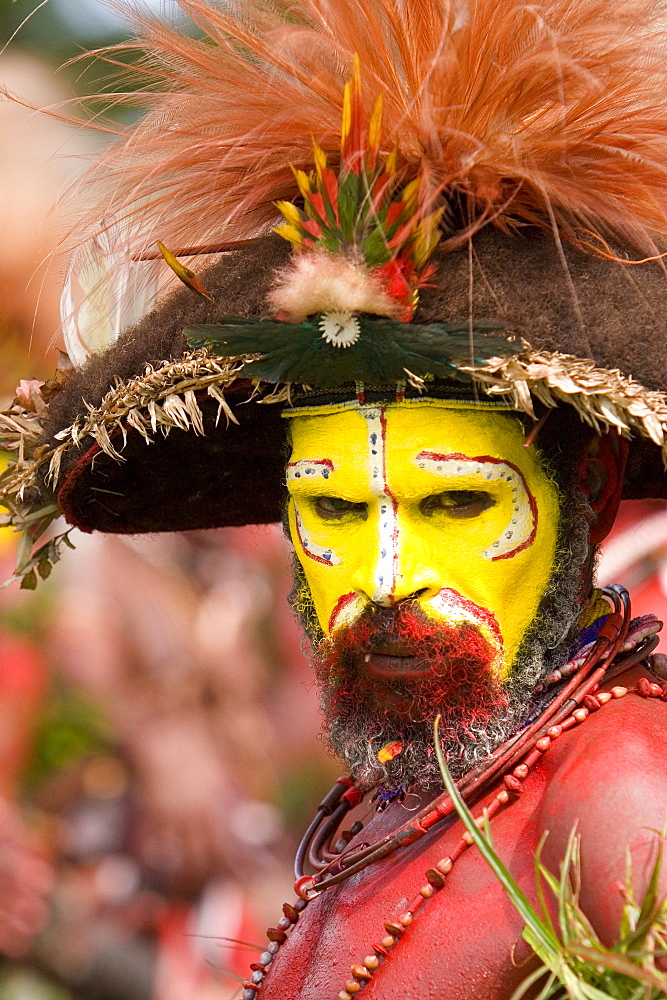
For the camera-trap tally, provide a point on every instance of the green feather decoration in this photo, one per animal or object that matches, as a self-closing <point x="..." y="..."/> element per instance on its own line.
<point x="384" y="351"/>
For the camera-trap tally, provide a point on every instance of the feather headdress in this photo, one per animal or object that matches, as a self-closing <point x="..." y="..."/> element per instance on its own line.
<point x="548" y="113"/>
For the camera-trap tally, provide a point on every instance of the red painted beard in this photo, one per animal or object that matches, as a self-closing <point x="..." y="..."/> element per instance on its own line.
<point x="393" y="670"/>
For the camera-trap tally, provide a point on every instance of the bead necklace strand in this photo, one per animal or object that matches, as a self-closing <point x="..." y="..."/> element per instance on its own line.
<point x="435" y="877"/>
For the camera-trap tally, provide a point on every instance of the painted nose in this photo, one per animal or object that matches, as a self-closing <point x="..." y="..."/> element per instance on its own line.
<point x="413" y="587"/>
<point x="396" y="572"/>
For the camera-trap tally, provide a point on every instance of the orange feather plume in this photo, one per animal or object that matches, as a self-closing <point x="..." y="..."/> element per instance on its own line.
<point x="551" y="113"/>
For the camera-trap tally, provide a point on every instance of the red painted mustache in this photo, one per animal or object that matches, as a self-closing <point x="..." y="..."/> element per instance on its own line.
<point x="400" y="660"/>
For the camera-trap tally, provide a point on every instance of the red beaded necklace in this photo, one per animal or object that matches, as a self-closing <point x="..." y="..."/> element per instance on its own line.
<point x="619" y="645"/>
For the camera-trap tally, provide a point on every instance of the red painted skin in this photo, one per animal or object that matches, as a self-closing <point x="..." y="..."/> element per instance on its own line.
<point x="609" y="775"/>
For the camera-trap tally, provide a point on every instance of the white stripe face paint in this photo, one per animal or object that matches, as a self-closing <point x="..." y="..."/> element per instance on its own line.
<point x="310" y="469"/>
<point x="307" y="469"/>
<point x="387" y="559"/>
<point x="520" y="532"/>
<point x="319" y="553"/>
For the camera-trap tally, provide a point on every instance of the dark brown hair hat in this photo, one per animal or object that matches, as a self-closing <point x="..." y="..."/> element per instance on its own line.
<point x="232" y="474"/>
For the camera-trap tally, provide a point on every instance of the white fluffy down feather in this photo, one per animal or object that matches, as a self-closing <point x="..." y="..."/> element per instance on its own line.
<point x="317" y="281"/>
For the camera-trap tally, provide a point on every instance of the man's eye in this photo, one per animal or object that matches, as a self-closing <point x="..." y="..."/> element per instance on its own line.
<point x="335" y="508"/>
<point x="457" y="503"/>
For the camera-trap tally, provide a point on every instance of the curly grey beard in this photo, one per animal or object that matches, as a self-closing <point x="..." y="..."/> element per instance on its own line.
<point x="356" y="739"/>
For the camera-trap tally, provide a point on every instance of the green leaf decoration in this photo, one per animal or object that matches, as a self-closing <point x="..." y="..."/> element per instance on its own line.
<point x="30" y="562"/>
<point x="386" y="352"/>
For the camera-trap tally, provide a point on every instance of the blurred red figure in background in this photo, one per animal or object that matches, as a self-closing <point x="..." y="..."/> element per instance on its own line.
<point x="636" y="554"/>
<point x="25" y="875"/>
<point x="187" y="648"/>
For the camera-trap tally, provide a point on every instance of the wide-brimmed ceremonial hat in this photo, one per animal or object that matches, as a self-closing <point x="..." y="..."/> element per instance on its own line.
<point x="376" y="202"/>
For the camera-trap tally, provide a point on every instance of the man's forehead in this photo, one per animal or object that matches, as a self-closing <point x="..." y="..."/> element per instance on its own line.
<point x="412" y="426"/>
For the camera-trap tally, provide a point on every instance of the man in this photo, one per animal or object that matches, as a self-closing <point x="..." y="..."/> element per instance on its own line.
<point x="413" y="618"/>
<point x="447" y="481"/>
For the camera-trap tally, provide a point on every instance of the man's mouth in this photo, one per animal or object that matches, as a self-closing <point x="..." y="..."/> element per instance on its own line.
<point x="393" y="659"/>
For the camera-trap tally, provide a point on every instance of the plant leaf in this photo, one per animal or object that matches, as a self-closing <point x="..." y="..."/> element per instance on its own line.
<point x="29" y="581"/>
<point x="533" y="978"/>
<point x="617" y="963"/>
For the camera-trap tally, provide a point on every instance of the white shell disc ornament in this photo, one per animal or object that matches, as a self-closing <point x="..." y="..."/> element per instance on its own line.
<point x="340" y="329"/>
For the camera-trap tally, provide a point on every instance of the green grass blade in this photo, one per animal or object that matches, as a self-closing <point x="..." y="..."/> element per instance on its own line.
<point x="651" y="904"/>
<point x="534" y="977"/>
<point x="547" y="941"/>
<point x="619" y="964"/>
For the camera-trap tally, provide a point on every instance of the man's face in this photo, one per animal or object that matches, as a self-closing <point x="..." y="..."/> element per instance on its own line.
<point x="435" y="513"/>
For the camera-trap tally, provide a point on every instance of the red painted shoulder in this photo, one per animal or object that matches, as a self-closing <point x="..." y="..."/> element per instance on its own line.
<point x="608" y="779"/>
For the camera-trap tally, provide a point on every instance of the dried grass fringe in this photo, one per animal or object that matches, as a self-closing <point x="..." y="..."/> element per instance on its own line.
<point x="602" y="397"/>
<point x="166" y="397"/>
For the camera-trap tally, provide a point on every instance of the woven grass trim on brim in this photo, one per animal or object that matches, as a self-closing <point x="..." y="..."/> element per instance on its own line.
<point x="164" y="397"/>
<point x="159" y="400"/>
<point x="602" y="397"/>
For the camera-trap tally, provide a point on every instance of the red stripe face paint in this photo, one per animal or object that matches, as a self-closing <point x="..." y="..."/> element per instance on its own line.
<point x="343" y="602"/>
<point x="452" y="607"/>
<point x="310" y="471"/>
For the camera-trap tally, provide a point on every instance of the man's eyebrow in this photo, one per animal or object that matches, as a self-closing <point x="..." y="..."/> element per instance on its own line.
<point x="310" y="468"/>
<point x="458" y="464"/>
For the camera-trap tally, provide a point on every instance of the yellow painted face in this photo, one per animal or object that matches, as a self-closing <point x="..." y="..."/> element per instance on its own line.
<point x="425" y="500"/>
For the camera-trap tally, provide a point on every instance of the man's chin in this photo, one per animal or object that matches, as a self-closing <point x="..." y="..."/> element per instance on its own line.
<point x="357" y="728"/>
<point x="359" y="741"/>
<point x="385" y="678"/>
